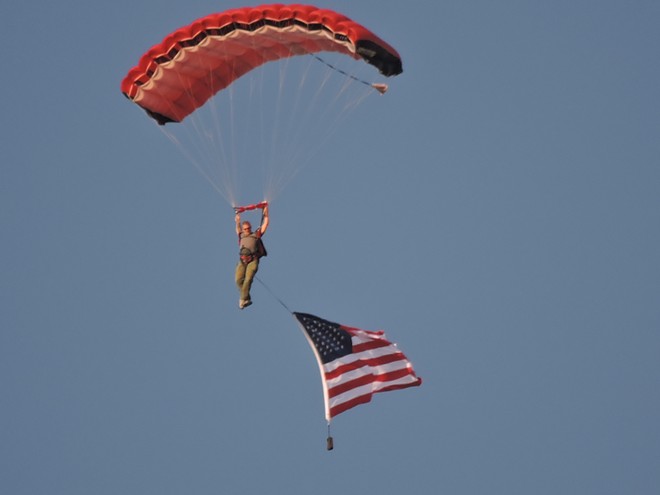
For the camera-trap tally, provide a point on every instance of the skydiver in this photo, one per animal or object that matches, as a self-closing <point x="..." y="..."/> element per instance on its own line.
<point x="251" y="249"/>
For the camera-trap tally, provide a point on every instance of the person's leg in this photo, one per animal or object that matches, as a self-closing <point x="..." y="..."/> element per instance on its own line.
<point x="250" y="271"/>
<point x="240" y="276"/>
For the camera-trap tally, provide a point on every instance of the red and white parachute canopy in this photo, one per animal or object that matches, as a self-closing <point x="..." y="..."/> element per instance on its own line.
<point x="179" y="74"/>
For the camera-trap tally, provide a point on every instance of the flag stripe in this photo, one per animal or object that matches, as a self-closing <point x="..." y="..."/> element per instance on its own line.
<point x="375" y="387"/>
<point x="362" y="395"/>
<point x="366" y="380"/>
<point x="345" y="367"/>
<point x="345" y="406"/>
<point x="359" y="356"/>
<point x="367" y="371"/>
<point x="369" y="345"/>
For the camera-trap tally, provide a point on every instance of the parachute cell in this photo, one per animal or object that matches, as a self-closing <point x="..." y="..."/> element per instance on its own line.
<point x="178" y="75"/>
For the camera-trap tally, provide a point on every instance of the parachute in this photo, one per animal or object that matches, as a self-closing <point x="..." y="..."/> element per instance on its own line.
<point x="178" y="76"/>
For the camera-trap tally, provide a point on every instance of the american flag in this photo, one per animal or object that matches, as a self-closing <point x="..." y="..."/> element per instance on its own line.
<point x="354" y="363"/>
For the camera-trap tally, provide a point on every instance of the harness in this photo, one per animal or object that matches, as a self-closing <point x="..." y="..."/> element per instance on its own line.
<point x="246" y="256"/>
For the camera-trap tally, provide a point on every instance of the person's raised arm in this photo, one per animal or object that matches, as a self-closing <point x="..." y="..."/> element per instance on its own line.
<point x="238" y="223"/>
<point x="265" y="221"/>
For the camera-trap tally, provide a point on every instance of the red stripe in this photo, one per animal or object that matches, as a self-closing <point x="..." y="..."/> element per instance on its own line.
<point x="377" y="361"/>
<point x="345" y="406"/>
<point x="372" y="344"/>
<point x="363" y="399"/>
<point x="401" y="386"/>
<point x="342" y="387"/>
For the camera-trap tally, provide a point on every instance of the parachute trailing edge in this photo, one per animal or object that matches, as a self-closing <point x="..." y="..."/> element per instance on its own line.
<point x="178" y="75"/>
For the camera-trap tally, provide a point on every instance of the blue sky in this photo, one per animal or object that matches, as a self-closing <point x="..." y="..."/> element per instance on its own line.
<point x="496" y="213"/>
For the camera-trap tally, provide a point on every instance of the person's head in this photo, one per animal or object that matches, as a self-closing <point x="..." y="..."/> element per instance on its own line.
<point x="246" y="227"/>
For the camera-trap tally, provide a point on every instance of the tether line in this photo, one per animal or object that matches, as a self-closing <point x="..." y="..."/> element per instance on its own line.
<point x="273" y="294"/>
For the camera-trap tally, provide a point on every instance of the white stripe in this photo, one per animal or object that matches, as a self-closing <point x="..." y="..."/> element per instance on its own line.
<point x="367" y="370"/>
<point x="369" y="389"/>
<point x="363" y="339"/>
<point x="351" y="358"/>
